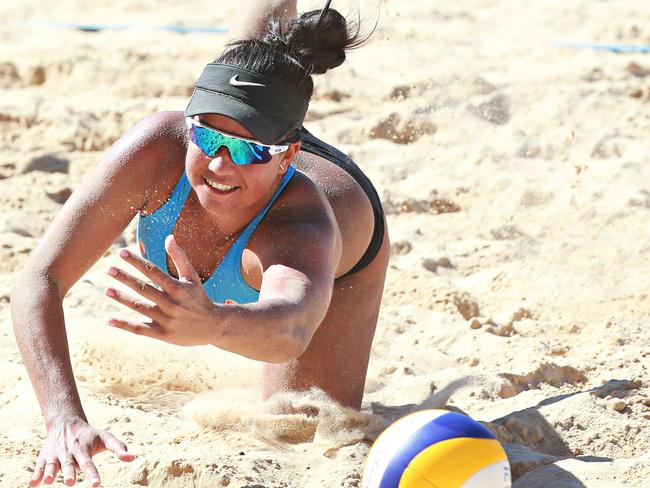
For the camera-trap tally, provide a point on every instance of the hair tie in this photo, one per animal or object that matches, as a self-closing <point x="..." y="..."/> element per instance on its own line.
<point x="322" y="14"/>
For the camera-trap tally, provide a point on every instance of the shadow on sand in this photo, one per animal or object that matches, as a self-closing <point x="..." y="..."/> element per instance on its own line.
<point x="529" y="440"/>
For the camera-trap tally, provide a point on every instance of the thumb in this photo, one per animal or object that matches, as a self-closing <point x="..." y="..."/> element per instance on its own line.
<point x="116" y="446"/>
<point x="181" y="261"/>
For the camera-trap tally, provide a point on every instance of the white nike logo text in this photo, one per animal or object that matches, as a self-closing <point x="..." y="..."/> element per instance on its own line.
<point x="235" y="82"/>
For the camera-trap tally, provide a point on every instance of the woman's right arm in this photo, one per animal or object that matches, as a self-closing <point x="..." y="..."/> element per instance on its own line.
<point x="89" y="222"/>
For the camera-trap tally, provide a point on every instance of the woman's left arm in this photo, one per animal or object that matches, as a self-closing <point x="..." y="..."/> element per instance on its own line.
<point x="299" y="263"/>
<point x="297" y="286"/>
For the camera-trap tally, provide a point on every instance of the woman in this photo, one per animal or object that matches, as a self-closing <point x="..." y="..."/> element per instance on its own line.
<point x="259" y="238"/>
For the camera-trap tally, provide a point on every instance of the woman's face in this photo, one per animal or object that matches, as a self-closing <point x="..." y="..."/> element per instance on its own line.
<point x="241" y="187"/>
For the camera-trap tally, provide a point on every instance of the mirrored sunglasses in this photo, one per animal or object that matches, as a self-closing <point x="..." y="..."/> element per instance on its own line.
<point x="242" y="151"/>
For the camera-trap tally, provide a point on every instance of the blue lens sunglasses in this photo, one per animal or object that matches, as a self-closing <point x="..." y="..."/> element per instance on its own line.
<point x="242" y="151"/>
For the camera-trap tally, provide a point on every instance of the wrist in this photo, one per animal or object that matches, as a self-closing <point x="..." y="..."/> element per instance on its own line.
<point x="59" y="418"/>
<point x="218" y="323"/>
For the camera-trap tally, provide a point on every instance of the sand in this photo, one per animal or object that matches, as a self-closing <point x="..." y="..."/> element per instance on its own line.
<point x="514" y="173"/>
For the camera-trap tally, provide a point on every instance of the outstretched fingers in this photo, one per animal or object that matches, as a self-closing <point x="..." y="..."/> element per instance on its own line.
<point x="186" y="271"/>
<point x="150" y="310"/>
<point x="68" y="469"/>
<point x="87" y="467"/>
<point x="116" y="446"/>
<point x="52" y="467"/>
<point x="39" y="471"/>
<point x="141" y="287"/>
<point x="149" y="329"/>
<point x="168" y="283"/>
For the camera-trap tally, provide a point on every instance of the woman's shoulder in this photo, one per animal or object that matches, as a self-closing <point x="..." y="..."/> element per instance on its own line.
<point x="301" y="197"/>
<point x="300" y="216"/>
<point x="165" y="124"/>
<point x="151" y="142"/>
<point x="301" y="205"/>
<point x="156" y="144"/>
<point x="159" y="136"/>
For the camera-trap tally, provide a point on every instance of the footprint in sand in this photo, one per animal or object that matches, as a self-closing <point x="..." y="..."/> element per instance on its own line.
<point x="508" y="233"/>
<point x="36" y="75"/>
<point x="433" y="264"/>
<point x="400" y="248"/>
<point x="637" y="70"/>
<point x="434" y="205"/>
<point x="613" y="145"/>
<point x="48" y="163"/>
<point x="496" y="110"/>
<point x="400" y="93"/>
<point x="333" y="95"/>
<point x="640" y="93"/>
<point x="547" y="373"/>
<point x="466" y="306"/>
<point x="11" y="76"/>
<point x="59" y="195"/>
<point x="402" y="131"/>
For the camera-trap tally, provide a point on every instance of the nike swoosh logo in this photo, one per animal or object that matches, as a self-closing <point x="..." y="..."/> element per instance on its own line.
<point x="235" y="82"/>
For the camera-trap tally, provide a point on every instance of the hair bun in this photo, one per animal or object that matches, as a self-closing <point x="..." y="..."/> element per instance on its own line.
<point x="319" y="39"/>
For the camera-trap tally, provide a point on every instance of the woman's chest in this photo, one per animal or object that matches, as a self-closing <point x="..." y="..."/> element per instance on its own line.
<point x="204" y="246"/>
<point x="209" y="249"/>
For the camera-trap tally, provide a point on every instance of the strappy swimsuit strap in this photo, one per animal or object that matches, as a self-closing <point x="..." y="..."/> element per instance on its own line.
<point x="313" y="145"/>
<point x="250" y="228"/>
<point x="227" y="282"/>
<point x="152" y="229"/>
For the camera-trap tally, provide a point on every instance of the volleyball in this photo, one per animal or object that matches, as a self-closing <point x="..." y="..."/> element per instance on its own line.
<point x="436" y="449"/>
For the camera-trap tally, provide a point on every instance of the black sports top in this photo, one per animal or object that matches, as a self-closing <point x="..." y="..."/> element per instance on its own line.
<point x="313" y="145"/>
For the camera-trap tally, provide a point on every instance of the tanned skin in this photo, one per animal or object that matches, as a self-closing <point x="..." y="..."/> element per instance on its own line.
<point x="312" y="328"/>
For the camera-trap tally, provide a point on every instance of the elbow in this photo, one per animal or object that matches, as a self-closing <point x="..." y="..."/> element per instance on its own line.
<point x="20" y="288"/>
<point x="30" y="287"/>
<point x="289" y="347"/>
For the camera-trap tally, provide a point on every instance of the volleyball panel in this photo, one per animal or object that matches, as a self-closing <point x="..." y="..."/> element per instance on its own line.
<point x="448" y="425"/>
<point x="412" y="479"/>
<point x="389" y="443"/>
<point x="496" y="475"/>
<point x="452" y="462"/>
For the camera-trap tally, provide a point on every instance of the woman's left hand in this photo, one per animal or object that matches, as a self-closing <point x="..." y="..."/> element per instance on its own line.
<point x="180" y="310"/>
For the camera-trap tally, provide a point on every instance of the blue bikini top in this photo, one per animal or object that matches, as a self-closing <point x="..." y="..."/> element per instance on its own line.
<point x="226" y="282"/>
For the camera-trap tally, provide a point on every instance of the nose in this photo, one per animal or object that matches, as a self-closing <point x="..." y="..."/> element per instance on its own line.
<point x="221" y="161"/>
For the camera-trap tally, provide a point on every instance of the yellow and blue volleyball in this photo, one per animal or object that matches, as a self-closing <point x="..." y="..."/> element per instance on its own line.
<point x="436" y="449"/>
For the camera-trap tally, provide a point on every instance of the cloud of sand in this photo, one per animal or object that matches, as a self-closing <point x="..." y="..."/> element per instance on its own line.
<point x="313" y="417"/>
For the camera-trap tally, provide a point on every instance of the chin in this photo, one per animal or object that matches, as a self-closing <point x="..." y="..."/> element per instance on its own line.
<point x="217" y="204"/>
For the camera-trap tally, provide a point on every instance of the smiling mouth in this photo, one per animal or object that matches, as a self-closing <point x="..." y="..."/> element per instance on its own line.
<point x="220" y="187"/>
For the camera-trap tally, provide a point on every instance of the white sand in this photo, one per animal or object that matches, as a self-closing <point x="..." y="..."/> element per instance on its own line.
<point x="518" y="203"/>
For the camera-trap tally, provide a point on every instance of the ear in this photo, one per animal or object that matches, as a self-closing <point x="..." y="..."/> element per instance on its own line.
<point x="288" y="155"/>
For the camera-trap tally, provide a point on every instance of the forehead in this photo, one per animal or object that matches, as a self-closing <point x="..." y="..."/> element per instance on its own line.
<point x="225" y="124"/>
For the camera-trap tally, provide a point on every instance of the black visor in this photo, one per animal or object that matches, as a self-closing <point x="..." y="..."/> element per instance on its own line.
<point x="268" y="111"/>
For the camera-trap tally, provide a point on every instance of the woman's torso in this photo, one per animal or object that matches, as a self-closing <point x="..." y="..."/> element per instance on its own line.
<point x="206" y="247"/>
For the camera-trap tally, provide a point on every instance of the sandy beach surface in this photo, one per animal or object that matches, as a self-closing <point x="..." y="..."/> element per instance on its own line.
<point x="514" y="172"/>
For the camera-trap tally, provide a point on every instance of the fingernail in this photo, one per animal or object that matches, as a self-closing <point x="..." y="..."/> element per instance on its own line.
<point x="112" y="271"/>
<point x="112" y="322"/>
<point x="124" y="253"/>
<point x="110" y="292"/>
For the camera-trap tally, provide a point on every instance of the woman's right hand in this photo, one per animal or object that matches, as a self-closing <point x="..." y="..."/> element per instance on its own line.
<point x="71" y="444"/>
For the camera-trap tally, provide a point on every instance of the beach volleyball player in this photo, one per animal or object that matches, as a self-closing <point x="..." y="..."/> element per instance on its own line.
<point x="279" y="247"/>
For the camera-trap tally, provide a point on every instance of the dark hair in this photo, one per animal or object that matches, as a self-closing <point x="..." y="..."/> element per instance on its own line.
<point x="312" y="44"/>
